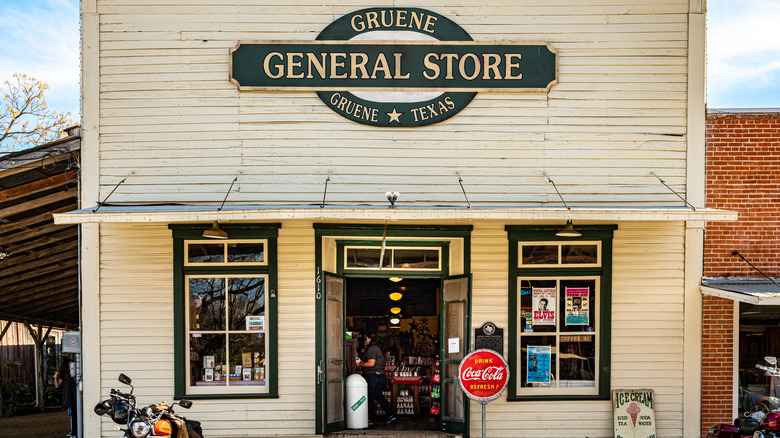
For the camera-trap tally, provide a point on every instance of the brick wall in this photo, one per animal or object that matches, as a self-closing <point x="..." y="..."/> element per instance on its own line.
<point x="743" y="174"/>
<point x="717" y="386"/>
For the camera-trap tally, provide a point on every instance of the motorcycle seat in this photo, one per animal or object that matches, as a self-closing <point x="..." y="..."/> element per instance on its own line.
<point x="748" y="426"/>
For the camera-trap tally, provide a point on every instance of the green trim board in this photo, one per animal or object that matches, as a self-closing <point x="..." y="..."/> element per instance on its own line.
<point x="602" y="233"/>
<point x="183" y="232"/>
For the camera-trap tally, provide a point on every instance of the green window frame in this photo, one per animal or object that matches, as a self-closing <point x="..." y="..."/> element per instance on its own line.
<point x="571" y="341"/>
<point x="247" y="259"/>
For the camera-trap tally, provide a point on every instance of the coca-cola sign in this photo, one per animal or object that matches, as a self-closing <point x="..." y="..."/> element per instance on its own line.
<point x="483" y="375"/>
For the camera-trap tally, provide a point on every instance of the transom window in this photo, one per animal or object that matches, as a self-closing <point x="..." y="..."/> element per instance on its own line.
<point x="396" y="258"/>
<point x="559" y="313"/>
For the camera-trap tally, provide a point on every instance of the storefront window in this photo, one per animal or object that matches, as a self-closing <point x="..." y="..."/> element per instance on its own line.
<point x="559" y="313"/>
<point x="225" y="331"/>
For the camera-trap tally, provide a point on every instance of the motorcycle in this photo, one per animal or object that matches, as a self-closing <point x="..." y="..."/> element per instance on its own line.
<point x="763" y="422"/>
<point x="157" y="420"/>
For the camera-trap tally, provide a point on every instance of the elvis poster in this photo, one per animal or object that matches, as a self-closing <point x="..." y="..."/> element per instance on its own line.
<point x="544" y="305"/>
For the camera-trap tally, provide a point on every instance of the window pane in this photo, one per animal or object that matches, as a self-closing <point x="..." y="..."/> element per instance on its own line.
<point x="207" y="304"/>
<point x="246" y="252"/>
<point x="578" y="360"/>
<point x="539" y="255"/>
<point x="366" y="257"/>
<point x="247" y="303"/>
<point x="578" y="301"/>
<point x="207" y="359"/>
<point x="205" y="253"/>
<point x="537" y="361"/>
<point x="537" y="307"/>
<point x="416" y="259"/>
<point x="579" y="254"/>
<point x="247" y="359"/>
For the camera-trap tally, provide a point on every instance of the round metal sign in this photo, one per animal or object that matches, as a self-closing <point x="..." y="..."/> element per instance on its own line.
<point x="483" y="375"/>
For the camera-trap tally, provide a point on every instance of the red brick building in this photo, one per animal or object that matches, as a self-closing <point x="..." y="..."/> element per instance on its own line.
<point x="741" y="307"/>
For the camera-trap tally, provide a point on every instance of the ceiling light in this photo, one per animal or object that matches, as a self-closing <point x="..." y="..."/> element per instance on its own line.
<point x="395" y="296"/>
<point x="568" y="231"/>
<point x="395" y="310"/>
<point x="395" y="320"/>
<point x="395" y="279"/>
<point x="3" y="255"/>
<point x="215" y="233"/>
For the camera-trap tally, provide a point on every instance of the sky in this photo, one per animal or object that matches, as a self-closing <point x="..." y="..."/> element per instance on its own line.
<point x="41" y="38"/>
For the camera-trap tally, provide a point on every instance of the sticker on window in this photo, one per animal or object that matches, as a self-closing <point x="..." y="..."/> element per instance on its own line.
<point x="254" y="323"/>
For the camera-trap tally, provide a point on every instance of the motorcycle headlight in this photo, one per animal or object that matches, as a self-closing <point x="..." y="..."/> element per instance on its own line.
<point x="139" y="428"/>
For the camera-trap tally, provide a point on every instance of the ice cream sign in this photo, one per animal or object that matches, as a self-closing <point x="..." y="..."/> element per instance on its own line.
<point x="633" y="413"/>
<point x="394" y="67"/>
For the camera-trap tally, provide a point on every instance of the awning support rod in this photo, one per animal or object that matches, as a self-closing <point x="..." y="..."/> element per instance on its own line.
<point x="100" y="204"/>
<point x="326" y="190"/>
<point x="736" y="253"/>
<point x="678" y="195"/>
<point x="556" y="191"/>
<point x="460" y="181"/>
<point x="228" y="192"/>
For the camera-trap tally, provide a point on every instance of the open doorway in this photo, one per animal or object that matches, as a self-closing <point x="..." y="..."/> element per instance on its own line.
<point x="404" y="314"/>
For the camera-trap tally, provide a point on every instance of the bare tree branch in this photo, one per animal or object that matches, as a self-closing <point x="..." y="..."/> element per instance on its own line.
<point x="25" y="118"/>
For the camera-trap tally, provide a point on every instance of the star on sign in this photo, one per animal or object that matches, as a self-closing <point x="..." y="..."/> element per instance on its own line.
<point x="394" y="116"/>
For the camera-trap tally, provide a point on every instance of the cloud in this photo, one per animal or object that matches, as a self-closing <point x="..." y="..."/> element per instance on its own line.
<point x="41" y="39"/>
<point x="743" y="53"/>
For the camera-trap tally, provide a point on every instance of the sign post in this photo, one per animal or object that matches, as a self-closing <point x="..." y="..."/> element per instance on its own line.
<point x="483" y="375"/>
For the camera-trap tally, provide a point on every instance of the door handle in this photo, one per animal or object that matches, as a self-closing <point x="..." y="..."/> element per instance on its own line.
<point x="337" y="361"/>
<point x="319" y="372"/>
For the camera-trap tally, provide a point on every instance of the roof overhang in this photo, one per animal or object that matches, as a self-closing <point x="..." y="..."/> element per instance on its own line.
<point x="235" y="213"/>
<point x="750" y="290"/>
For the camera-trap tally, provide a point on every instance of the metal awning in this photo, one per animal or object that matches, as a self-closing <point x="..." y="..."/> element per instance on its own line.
<point x="236" y="213"/>
<point x="756" y="291"/>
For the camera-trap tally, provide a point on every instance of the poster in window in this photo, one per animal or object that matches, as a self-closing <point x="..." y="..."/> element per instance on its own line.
<point x="544" y="305"/>
<point x="538" y="366"/>
<point x="577" y="305"/>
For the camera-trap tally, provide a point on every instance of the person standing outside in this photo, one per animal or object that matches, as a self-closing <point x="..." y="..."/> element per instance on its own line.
<point x="373" y="365"/>
<point x="62" y="378"/>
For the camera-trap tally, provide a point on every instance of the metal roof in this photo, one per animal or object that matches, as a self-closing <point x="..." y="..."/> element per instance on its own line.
<point x="39" y="281"/>
<point x="750" y="290"/>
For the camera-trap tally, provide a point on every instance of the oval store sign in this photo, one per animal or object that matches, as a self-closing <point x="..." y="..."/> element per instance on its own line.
<point x="483" y="375"/>
<point x="394" y="67"/>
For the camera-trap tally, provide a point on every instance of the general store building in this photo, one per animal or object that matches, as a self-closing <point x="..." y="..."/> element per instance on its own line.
<point x="344" y="146"/>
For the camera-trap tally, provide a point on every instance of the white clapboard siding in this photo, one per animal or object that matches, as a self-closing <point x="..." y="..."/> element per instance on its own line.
<point x="136" y="336"/>
<point x="647" y="331"/>
<point x="169" y="114"/>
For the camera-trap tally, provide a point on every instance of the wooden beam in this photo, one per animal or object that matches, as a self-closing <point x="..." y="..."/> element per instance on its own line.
<point x="9" y="263"/>
<point x="37" y="290"/>
<point x="38" y="186"/>
<point x="5" y="329"/>
<point x="6" y="293"/>
<point x="41" y="303"/>
<point x="24" y="277"/>
<point x="47" y="240"/>
<point x="67" y="258"/>
<point x="60" y="322"/>
<point x="32" y="233"/>
<point x="36" y="203"/>
<point x="34" y="220"/>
